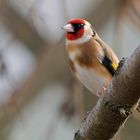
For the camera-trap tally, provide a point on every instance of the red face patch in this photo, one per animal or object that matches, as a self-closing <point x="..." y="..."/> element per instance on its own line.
<point x="79" y="33"/>
<point x="76" y="35"/>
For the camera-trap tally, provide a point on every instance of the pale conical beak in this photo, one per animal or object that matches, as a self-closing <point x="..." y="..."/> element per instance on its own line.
<point x="68" y="28"/>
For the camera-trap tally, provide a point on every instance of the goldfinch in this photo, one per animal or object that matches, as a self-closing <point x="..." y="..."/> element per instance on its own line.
<point x="91" y="60"/>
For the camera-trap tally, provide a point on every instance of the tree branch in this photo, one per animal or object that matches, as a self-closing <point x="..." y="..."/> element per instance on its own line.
<point x="115" y="106"/>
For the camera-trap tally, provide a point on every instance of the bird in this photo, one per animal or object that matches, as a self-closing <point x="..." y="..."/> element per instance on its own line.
<point x="91" y="60"/>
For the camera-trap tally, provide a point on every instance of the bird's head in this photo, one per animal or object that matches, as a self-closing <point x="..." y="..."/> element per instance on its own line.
<point x="78" y="31"/>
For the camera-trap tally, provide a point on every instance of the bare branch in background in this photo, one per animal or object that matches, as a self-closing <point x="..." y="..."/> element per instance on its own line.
<point x="21" y="28"/>
<point x="112" y="109"/>
<point x="102" y="13"/>
<point x="131" y="10"/>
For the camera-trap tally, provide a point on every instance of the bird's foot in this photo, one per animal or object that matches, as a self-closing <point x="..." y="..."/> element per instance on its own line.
<point x="121" y="63"/>
<point x="101" y="91"/>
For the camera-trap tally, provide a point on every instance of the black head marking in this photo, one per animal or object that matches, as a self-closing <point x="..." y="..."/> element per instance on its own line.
<point x="77" y="26"/>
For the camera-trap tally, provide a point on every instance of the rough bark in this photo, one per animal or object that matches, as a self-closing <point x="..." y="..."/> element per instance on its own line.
<point x="116" y="105"/>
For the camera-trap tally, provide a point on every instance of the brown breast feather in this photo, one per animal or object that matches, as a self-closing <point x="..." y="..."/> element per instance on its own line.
<point x="87" y="57"/>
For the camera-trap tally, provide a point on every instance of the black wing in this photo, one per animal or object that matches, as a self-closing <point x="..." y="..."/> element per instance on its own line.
<point x="108" y="64"/>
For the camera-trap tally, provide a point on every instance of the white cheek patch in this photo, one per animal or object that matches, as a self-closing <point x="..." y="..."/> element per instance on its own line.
<point x="88" y="28"/>
<point x="87" y="23"/>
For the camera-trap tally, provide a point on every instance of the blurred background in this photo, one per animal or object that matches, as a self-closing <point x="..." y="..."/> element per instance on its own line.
<point x="39" y="98"/>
